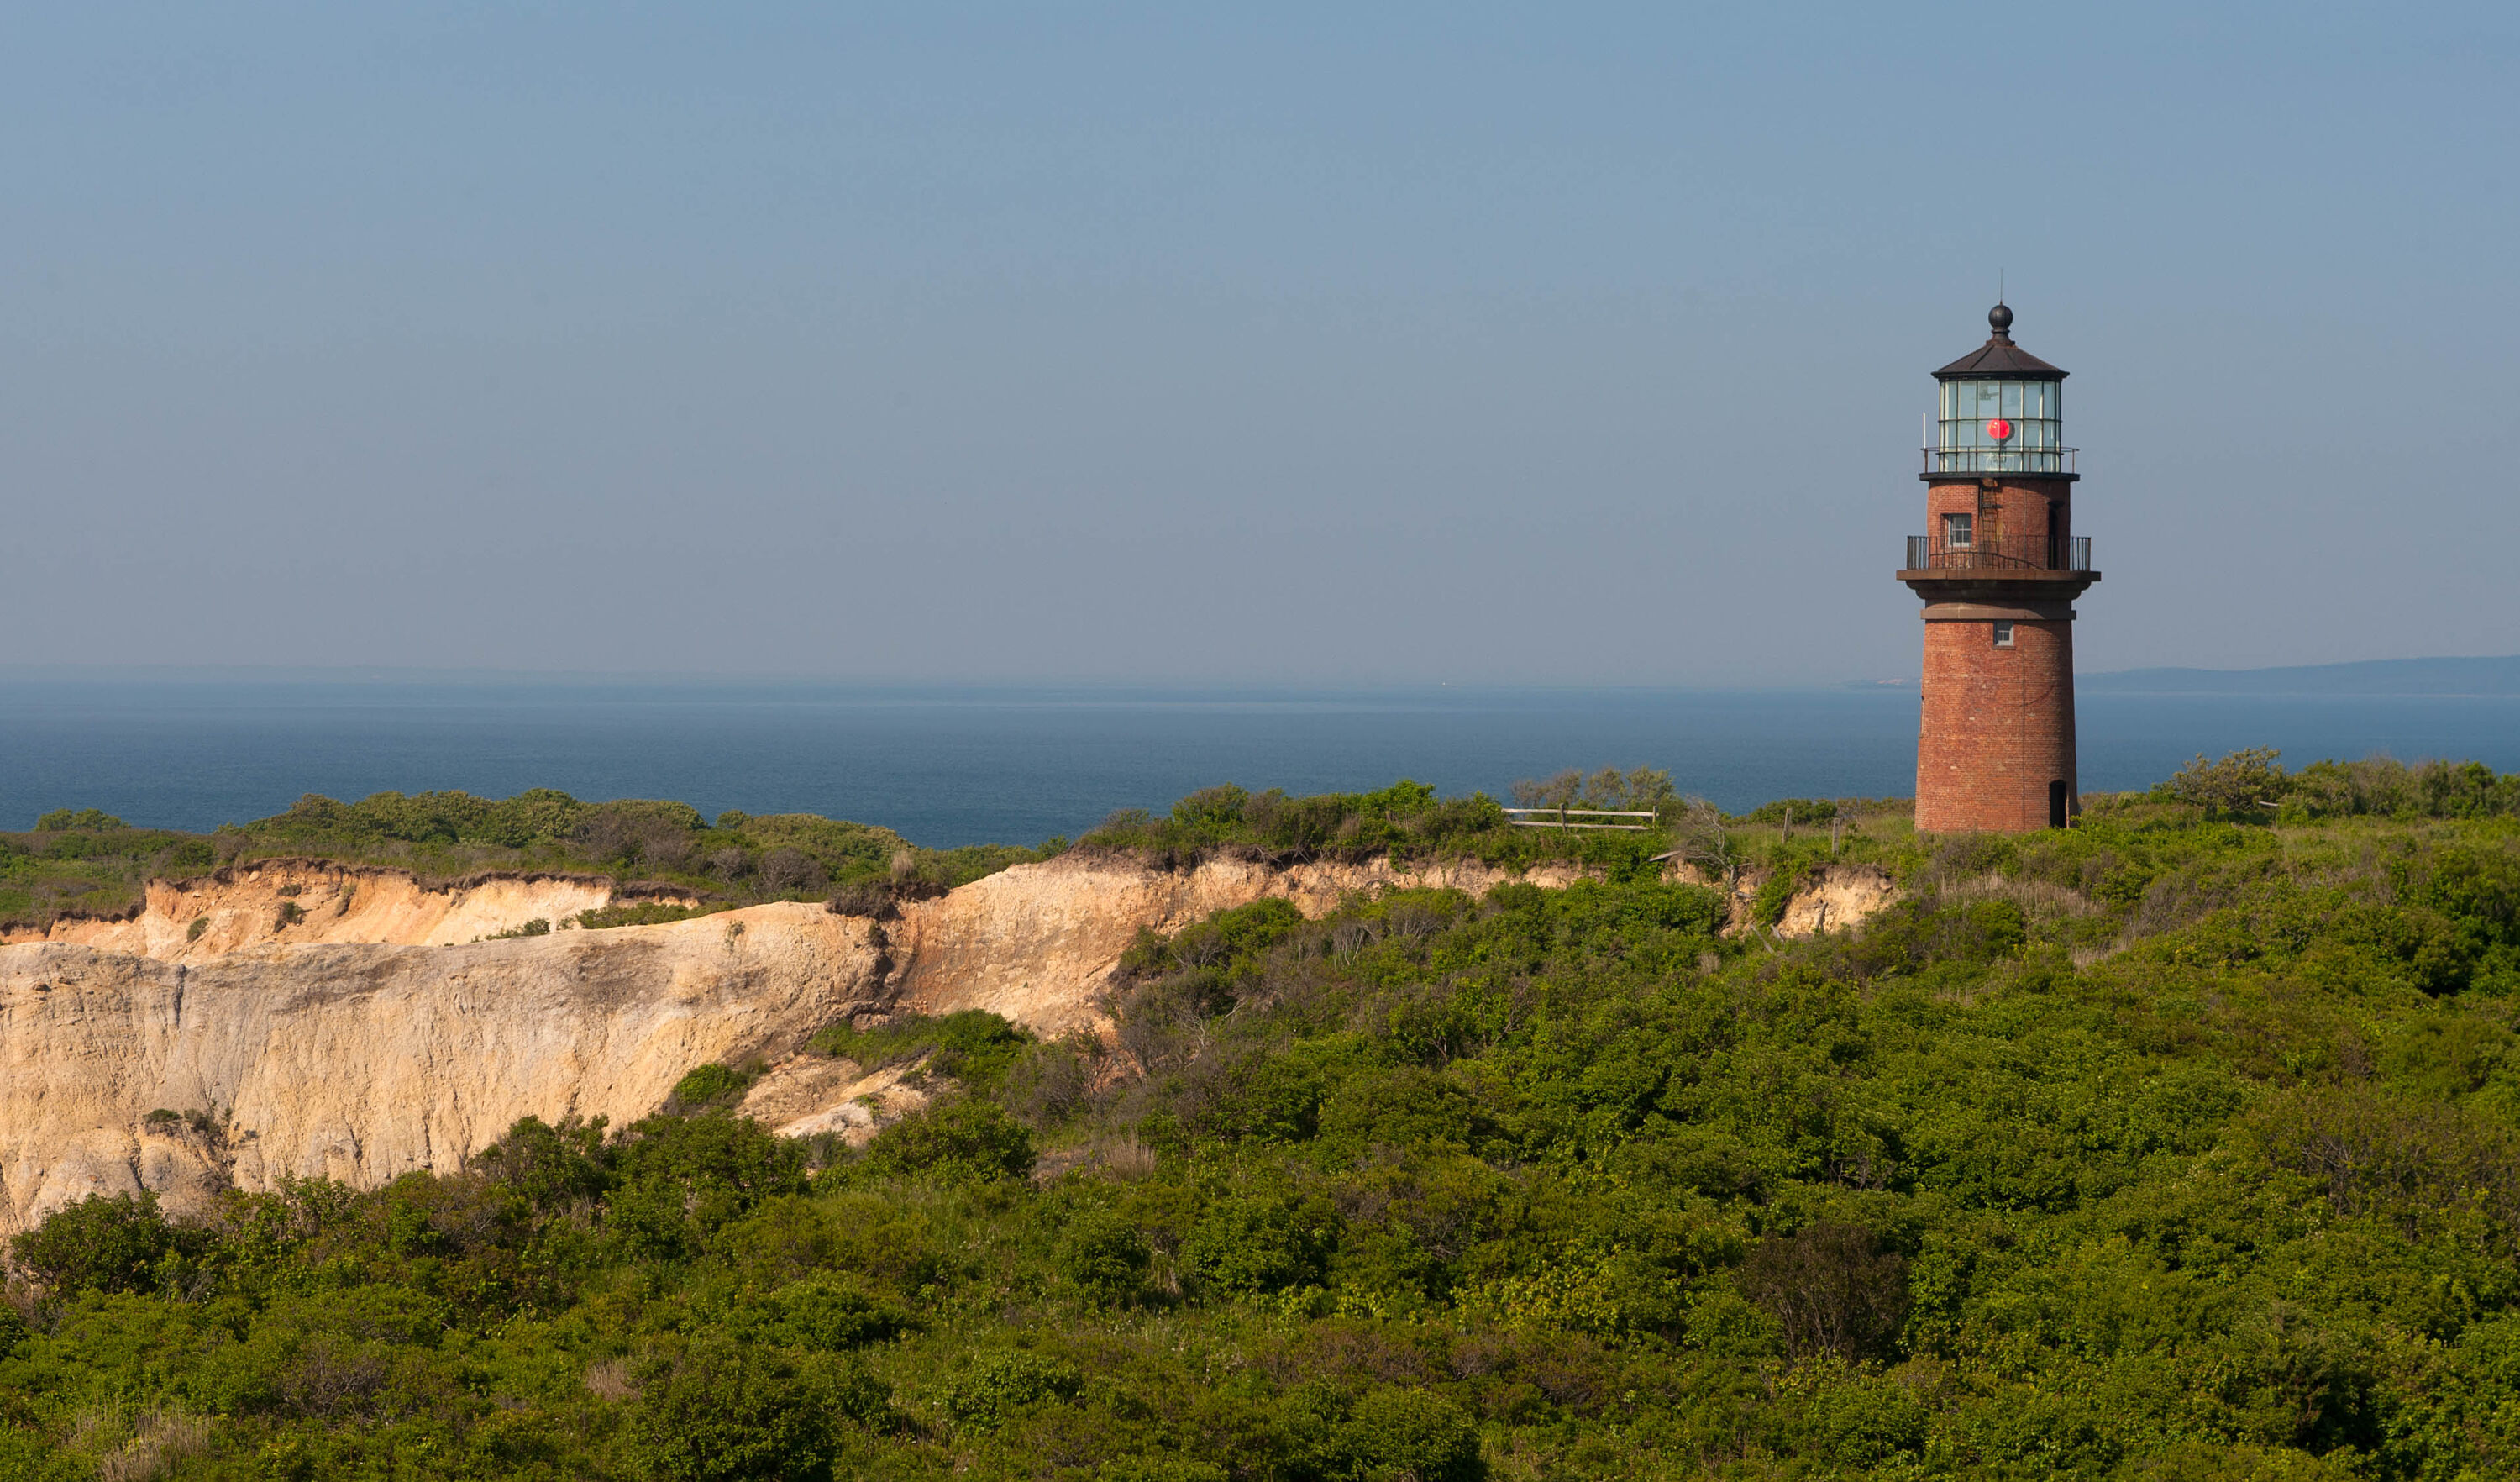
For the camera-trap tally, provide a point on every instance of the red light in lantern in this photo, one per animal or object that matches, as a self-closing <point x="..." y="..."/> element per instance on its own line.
<point x="1998" y="429"/>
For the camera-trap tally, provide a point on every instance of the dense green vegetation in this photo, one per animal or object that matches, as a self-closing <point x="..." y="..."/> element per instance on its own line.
<point x="89" y="863"/>
<point x="2185" y="1143"/>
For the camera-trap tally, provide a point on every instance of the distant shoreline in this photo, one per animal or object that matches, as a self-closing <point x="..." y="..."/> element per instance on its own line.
<point x="2370" y="679"/>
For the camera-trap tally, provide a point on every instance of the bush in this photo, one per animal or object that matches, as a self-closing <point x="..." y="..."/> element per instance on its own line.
<point x="1251" y="1245"/>
<point x="1000" y="1385"/>
<point x="2243" y="781"/>
<point x="26" y="1457"/>
<point x="708" y="1085"/>
<point x="954" y="1142"/>
<point x="1796" y="810"/>
<point x="1831" y="1288"/>
<point x="826" y="1314"/>
<point x="680" y="1179"/>
<point x="113" y="1244"/>
<point x="86" y="820"/>
<point x="734" y="1411"/>
<point x="637" y="913"/>
<point x="550" y="1167"/>
<point x="972" y="1046"/>
<point x="1104" y="1257"/>
<point x="1390" y="1432"/>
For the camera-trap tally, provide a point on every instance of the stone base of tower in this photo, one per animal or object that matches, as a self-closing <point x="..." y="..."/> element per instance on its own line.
<point x="1994" y="746"/>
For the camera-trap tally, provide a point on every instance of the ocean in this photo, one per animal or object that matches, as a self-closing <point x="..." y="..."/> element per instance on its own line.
<point x="949" y="766"/>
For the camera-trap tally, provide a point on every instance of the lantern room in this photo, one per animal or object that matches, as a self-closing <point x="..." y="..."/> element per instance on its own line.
<point x="2000" y="410"/>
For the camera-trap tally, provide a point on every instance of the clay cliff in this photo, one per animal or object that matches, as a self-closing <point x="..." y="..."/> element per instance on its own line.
<point x="297" y="901"/>
<point x="371" y="1033"/>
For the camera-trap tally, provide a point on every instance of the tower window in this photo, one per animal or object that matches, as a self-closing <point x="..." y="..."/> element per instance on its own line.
<point x="1958" y="531"/>
<point x="2003" y="634"/>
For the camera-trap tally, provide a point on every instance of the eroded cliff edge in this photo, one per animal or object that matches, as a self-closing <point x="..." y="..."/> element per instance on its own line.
<point x="361" y="1060"/>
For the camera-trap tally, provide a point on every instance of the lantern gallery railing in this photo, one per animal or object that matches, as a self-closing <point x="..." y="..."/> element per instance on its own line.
<point x="2000" y="460"/>
<point x="2001" y="553"/>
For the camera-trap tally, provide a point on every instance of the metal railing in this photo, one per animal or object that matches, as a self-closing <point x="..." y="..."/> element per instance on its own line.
<point x="1973" y="460"/>
<point x="1999" y="553"/>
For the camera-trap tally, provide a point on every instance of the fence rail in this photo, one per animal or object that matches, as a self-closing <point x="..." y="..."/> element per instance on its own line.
<point x="1578" y="818"/>
<point x="1999" y="553"/>
<point x="2048" y="460"/>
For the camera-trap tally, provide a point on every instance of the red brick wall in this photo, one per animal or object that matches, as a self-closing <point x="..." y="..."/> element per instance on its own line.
<point x="1997" y="727"/>
<point x="2023" y="506"/>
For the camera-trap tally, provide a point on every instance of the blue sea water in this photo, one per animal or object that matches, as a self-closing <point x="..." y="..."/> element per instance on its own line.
<point x="957" y="766"/>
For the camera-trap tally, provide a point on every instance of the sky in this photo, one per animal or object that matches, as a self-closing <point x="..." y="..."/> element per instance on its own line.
<point x="1284" y="344"/>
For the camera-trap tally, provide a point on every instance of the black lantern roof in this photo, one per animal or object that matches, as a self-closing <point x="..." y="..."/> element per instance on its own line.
<point x="1999" y="359"/>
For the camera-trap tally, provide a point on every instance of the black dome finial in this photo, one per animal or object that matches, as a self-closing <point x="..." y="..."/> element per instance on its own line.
<point x="2002" y="318"/>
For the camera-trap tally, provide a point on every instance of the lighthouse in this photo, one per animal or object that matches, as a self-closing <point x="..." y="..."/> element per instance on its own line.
<point x="1999" y="569"/>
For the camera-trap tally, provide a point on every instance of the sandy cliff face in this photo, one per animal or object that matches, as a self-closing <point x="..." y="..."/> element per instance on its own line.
<point x="335" y="1054"/>
<point x="363" y="1062"/>
<point x="251" y="905"/>
<point x="1844" y="897"/>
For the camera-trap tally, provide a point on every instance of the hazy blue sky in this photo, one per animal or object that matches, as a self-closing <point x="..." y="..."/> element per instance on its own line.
<point x="1415" y="343"/>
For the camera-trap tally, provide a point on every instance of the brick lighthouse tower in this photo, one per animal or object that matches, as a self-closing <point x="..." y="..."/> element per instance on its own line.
<point x="1998" y="567"/>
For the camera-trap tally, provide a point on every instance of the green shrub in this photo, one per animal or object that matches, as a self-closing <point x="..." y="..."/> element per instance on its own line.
<point x="971" y="1046"/>
<point x="678" y="1180"/>
<point x="1104" y="1257"/>
<point x="25" y="1456"/>
<point x="709" y="1085"/>
<point x="1162" y="1468"/>
<point x="962" y="1140"/>
<point x="1390" y="1432"/>
<point x="1832" y="1289"/>
<point x="88" y="820"/>
<point x="1004" y="1383"/>
<point x="827" y="1314"/>
<point x="637" y="913"/>
<point x="550" y="1168"/>
<point x="538" y="926"/>
<point x="113" y="1244"/>
<point x="738" y="1412"/>
<point x="1774" y="894"/>
<point x="1255" y="1244"/>
<point x="1796" y="810"/>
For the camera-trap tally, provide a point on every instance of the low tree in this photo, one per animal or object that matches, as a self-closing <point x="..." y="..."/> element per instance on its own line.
<point x="1701" y="837"/>
<point x="2247" y="781"/>
<point x="118" y="1242"/>
<point x="1832" y="1289"/>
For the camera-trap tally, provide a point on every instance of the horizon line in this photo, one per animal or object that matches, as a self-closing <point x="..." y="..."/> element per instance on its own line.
<point x="385" y="674"/>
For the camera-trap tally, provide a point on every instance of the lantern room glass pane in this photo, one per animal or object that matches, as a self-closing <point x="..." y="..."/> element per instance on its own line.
<point x="2033" y="408"/>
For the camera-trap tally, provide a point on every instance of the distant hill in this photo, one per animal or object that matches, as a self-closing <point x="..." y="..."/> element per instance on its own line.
<point x="2372" y="677"/>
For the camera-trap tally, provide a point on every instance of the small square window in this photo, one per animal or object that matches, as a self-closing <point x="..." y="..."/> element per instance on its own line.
<point x="2003" y="634"/>
<point x="1958" y="531"/>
